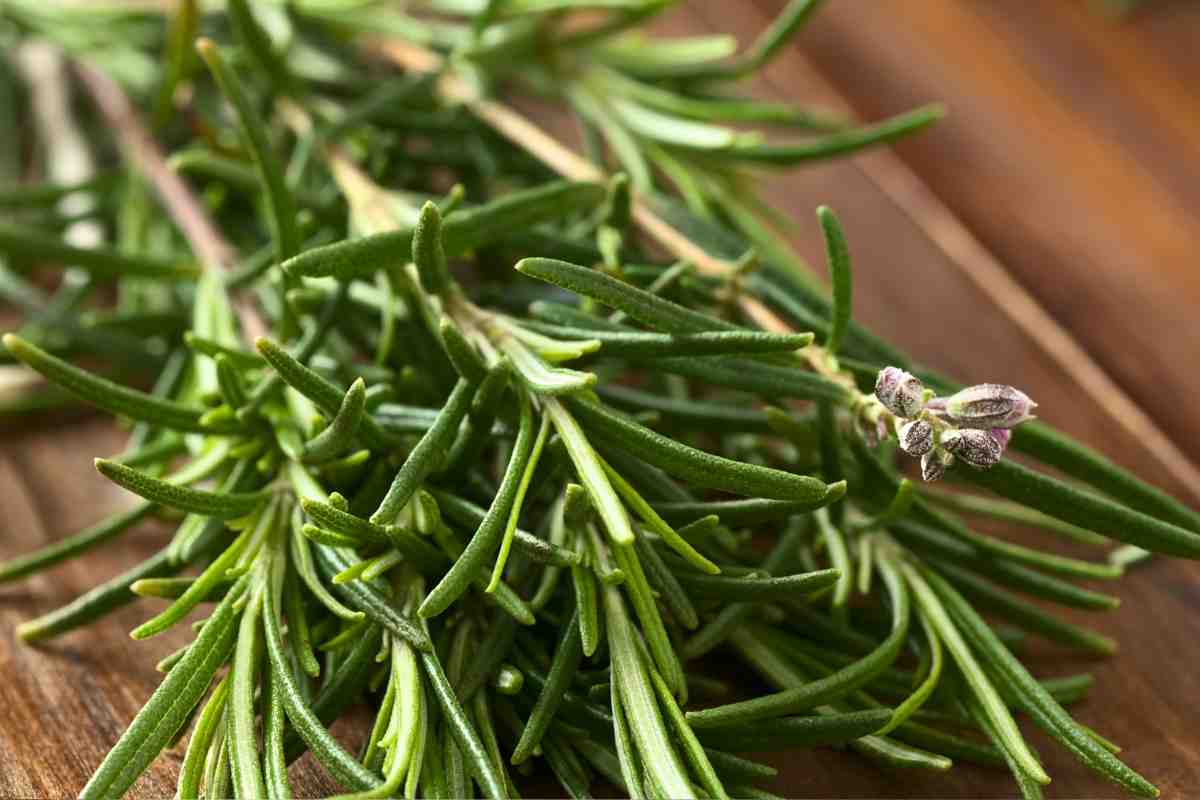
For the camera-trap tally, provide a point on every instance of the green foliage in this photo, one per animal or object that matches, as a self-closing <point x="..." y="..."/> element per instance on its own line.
<point x="553" y="449"/>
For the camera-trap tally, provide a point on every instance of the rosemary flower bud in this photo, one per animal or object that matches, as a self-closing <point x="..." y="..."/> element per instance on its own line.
<point x="978" y="448"/>
<point x="1002" y="436"/>
<point x="916" y="437"/>
<point x="901" y="393"/>
<point x="989" y="405"/>
<point x="934" y="464"/>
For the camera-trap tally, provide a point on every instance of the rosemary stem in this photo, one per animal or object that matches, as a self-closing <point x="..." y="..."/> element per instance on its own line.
<point x="181" y="203"/>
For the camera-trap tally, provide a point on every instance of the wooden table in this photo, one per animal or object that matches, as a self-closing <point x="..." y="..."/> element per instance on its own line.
<point x="1063" y="186"/>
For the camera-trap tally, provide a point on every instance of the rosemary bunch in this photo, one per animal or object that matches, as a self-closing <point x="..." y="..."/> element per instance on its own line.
<point x="513" y="510"/>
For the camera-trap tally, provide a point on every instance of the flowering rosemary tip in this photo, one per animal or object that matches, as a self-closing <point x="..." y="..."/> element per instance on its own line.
<point x="973" y="425"/>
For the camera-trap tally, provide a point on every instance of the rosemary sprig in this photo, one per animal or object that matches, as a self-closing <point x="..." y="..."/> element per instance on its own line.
<point x="425" y="416"/>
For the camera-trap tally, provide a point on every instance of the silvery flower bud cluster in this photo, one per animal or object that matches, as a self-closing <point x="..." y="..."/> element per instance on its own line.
<point x="972" y="426"/>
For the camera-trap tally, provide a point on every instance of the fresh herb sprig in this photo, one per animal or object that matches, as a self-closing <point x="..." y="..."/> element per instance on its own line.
<point x="507" y="507"/>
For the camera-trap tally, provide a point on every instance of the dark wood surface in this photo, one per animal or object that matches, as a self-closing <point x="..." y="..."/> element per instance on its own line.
<point x="1069" y="162"/>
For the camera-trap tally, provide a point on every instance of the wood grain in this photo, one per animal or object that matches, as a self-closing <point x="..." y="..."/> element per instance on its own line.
<point x="1071" y="155"/>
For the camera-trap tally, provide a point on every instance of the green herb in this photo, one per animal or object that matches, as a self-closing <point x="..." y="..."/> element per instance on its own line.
<point x="493" y="366"/>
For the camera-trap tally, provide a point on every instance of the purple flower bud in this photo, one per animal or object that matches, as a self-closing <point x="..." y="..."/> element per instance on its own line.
<point x="916" y="437"/>
<point x="1002" y="436"/>
<point x="934" y="464"/>
<point x="989" y="405"/>
<point x="901" y="393"/>
<point x="977" y="448"/>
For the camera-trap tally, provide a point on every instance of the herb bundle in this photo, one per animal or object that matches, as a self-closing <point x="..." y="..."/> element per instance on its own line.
<point x="514" y="510"/>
